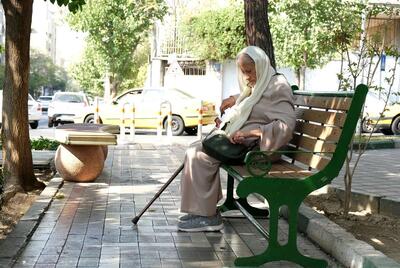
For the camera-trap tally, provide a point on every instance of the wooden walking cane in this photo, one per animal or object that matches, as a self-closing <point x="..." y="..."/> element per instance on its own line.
<point x="136" y="219"/>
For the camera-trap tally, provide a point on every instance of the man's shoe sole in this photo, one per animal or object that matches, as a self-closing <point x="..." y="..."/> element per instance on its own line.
<point x="213" y="228"/>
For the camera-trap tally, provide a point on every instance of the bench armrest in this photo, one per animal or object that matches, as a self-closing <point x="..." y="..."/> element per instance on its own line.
<point x="258" y="163"/>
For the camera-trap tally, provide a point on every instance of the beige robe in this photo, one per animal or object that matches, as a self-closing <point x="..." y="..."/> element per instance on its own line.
<point x="273" y="114"/>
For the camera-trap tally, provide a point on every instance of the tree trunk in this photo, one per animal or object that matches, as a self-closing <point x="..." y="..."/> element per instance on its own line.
<point x="302" y="76"/>
<point x="107" y="88"/>
<point x="17" y="157"/>
<point x="257" y="27"/>
<point x="114" y="87"/>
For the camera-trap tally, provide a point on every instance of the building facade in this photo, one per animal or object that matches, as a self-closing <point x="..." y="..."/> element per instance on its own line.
<point x="216" y="81"/>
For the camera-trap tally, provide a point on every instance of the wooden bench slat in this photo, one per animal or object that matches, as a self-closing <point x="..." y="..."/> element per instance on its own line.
<point x="285" y="169"/>
<point x="280" y="169"/>
<point x="311" y="144"/>
<point x="309" y="159"/>
<point x="327" y="133"/>
<point x="333" y="103"/>
<point x="323" y="117"/>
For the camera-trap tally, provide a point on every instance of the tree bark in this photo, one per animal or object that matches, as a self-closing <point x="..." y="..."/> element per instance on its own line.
<point x="257" y="27"/>
<point x="17" y="157"/>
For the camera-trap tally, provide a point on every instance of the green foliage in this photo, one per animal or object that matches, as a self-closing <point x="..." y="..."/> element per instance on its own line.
<point x="217" y="34"/>
<point x="115" y="29"/>
<point x="89" y="72"/>
<point x="371" y="46"/>
<point x="138" y="72"/>
<point x="73" y="5"/>
<point x="44" y="144"/>
<point x="310" y="32"/>
<point x="44" y="73"/>
<point x="305" y="32"/>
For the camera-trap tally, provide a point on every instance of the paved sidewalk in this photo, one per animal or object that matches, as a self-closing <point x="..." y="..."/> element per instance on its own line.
<point x="376" y="182"/>
<point x="91" y="226"/>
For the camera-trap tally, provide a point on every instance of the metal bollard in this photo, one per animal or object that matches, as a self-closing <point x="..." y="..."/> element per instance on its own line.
<point x="96" y="111"/>
<point x="200" y="120"/>
<point x="122" y="122"/>
<point x="169" y="118"/>
<point x="132" y="127"/>
<point x="159" y="127"/>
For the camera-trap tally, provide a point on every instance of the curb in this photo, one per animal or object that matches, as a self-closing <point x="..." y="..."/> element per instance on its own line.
<point x="377" y="204"/>
<point x="12" y="245"/>
<point x="336" y="241"/>
<point x="384" y="144"/>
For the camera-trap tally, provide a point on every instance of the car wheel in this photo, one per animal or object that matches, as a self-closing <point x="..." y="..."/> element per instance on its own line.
<point x="191" y="130"/>
<point x="89" y="119"/>
<point x="34" y="124"/>
<point x="366" y="127"/>
<point x="55" y="123"/>
<point x="50" y="123"/>
<point x="396" y="126"/>
<point x="177" y="125"/>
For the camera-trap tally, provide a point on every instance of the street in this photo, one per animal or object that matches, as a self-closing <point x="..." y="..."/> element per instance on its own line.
<point x="146" y="136"/>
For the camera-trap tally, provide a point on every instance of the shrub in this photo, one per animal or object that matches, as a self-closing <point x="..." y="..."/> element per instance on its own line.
<point x="44" y="144"/>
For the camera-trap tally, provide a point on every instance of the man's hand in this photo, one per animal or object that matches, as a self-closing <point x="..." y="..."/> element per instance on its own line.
<point x="227" y="103"/>
<point x="217" y="122"/>
<point x="238" y="137"/>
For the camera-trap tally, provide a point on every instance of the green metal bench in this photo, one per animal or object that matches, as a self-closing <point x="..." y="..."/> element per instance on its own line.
<point x="325" y="125"/>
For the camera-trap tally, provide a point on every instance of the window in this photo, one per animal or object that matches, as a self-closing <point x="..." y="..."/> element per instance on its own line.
<point x="68" y="98"/>
<point x="193" y="67"/>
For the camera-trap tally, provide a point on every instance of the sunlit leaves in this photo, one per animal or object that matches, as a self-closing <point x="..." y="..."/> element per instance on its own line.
<point x="310" y="32"/>
<point x="73" y="5"/>
<point x="217" y="34"/>
<point x="115" y="28"/>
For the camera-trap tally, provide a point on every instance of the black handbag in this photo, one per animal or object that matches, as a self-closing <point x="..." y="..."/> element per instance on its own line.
<point x="218" y="146"/>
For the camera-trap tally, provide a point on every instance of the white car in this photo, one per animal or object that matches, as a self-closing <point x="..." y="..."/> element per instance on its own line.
<point x="34" y="111"/>
<point x="65" y="106"/>
<point x="373" y="107"/>
<point x="44" y="101"/>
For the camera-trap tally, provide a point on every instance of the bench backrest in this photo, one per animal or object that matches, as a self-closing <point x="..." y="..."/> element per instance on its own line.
<point x="325" y="124"/>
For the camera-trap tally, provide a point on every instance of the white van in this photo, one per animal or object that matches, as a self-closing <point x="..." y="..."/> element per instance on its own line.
<point x="34" y="111"/>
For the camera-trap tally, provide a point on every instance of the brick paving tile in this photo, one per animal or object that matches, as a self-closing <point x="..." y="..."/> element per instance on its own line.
<point x="91" y="226"/>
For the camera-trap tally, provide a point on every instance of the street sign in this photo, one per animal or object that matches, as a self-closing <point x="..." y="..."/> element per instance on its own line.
<point x="383" y="62"/>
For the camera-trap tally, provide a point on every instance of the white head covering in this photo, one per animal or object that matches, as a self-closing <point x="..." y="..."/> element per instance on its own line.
<point x="249" y="96"/>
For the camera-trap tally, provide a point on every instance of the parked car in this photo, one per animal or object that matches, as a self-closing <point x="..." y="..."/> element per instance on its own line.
<point x="34" y="111"/>
<point x="65" y="106"/>
<point x="373" y="107"/>
<point x="44" y="101"/>
<point x="389" y="123"/>
<point x="147" y="106"/>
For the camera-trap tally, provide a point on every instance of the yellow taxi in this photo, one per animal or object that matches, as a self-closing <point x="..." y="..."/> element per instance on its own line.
<point x="149" y="103"/>
<point x="389" y="122"/>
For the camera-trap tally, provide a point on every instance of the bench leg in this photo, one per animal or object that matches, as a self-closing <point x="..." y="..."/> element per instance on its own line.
<point x="229" y="203"/>
<point x="276" y="251"/>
